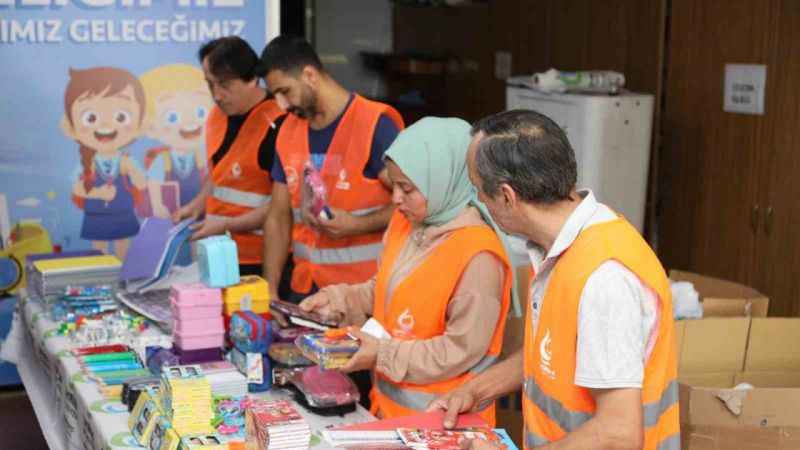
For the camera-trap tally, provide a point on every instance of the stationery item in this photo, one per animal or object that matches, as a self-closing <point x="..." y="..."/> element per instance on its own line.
<point x="428" y="420"/>
<point x="153" y="251"/>
<point x="425" y="439"/>
<point x="250" y="294"/>
<point x="324" y="389"/>
<point x="50" y="277"/>
<point x="115" y="348"/>
<point x="302" y="318"/>
<point x="187" y="399"/>
<point x="256" y="368"/>
<point x="198" y="356"/>
<point x="158" y="357"/>
<point x="182" y="325"/>
<point x="163" y="436"/>
<point x="250" y="332"/>
<point x="206" y="441"/>
<point x="154" y="305"/>
<point x="275" y="425"/>
<point x="132" y="388"/>
<point x="225" y="379"/>
<point x="115" y="356"/>
<point x="288" y="334"/>
<point x="196" y="294"/>
<point x="219" y="261"/>
<point x="201" y="340"/>
<point x="144" y="416"/>
<point x="30" y="259"/>
<point x="328" y="352"/>
<point x="314" y="198"/>
<point x="288" y="354"/>
<point x="368" y="439"/>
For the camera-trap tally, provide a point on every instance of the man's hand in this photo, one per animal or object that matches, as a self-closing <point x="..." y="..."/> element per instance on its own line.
<point x="453" y="403"/>
<point x="366" y="356"/>
<point x="185" y="212"/>
<point x="343" y="224"/>
<point x="320" y="303"/>
<point x="478" y="444"/>
<point x="207" y="228"/>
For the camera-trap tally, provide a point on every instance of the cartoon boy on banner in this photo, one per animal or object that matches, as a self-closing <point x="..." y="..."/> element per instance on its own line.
<point x="104" y="110"/>
<point x="178" y="102"/>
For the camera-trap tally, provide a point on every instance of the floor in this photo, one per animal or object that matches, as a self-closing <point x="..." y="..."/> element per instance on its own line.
<point x="17" y="419"/>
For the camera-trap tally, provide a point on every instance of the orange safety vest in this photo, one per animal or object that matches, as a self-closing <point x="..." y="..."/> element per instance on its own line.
<point x="320" y="259"/>
<point x="240" y="185"/>
<point x="553" y="405"/>
<point x="418" y="310"/>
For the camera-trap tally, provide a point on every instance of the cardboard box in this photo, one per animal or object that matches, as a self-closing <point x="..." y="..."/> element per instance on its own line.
<point x="765" y="417"/>
<point x="717" y="342"/>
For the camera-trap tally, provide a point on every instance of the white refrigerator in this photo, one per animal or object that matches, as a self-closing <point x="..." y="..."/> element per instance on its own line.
<point x="611" y="139"/>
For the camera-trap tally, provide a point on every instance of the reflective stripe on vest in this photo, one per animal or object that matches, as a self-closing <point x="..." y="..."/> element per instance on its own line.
<point x="670" y="443"/>
<point x="485" y="362"/>
<point x="570" y="420"/>
<point x="534" y="440"/>
<point x="218" y="217"/>
<point x="344" y="255"/>
<point x="416" y="400"/>
<point x="552" y="408"/>
<point x="654" y="410"/>
<point x="297" y="213"/>
<point x="241" y="198"/>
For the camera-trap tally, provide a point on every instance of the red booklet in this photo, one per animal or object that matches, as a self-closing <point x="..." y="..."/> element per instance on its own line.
<point x="430" y="421"/>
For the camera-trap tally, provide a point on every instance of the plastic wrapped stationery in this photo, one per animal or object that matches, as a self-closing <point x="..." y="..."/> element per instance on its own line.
<point x="302" y="318"/>
<point x="314" y="199"/>
<point x="325" y="390"/>
<point x="219" y="261"/>
<point x="330" y="351"/>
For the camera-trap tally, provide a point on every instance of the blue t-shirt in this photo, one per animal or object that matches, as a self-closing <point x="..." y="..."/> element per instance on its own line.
<point x="319" y="141"/>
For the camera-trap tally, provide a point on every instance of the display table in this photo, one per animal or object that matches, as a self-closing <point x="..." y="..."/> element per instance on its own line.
<point x="72" y="412"/>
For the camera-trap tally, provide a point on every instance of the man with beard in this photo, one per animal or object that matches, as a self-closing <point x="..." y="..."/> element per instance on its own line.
<point x="342" y="136"/>
<point x="239" y="129"/>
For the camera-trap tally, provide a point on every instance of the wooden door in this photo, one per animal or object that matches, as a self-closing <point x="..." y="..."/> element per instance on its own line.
<point x="709" y="158"/>
<point x="778" y="253"/>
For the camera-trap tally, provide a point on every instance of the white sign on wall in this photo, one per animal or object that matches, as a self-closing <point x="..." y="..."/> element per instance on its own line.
<point x="745" y="86"/>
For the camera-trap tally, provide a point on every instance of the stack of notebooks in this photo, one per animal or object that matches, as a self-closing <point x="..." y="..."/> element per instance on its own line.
<point x="225" y="379"/>
<point x="153" y="252"/>
<point x="52" y="276"/>
<point x="276" y="425"/>
<point x="186" y="394"/>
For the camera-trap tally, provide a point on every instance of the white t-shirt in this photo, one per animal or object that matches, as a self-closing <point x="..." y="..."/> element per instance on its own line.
<point x="617" y="315"/>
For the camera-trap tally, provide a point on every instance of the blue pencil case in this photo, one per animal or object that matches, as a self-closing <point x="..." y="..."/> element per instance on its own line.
<point x="250" y="332"/>
<point x="218" y="260"/>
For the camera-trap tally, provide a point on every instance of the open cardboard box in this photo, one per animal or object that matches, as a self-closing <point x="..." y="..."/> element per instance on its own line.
<point x="766" y="417"/>
<point x="717" y="342"/>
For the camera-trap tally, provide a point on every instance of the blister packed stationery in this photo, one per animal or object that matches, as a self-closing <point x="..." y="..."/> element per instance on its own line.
<point x="325" y="389"/>
<point x="329" y="351"/>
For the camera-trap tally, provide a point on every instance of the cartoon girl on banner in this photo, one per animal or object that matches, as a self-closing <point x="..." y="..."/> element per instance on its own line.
<point x="178" y="102"/>
<point x="104" y="108"/>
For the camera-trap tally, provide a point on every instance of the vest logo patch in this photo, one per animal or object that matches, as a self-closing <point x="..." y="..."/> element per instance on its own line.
<point x="546" y="355"/>
<point x="405" y="325"/>
<point x="343" y="184"/>
<point x="236" y="170"/>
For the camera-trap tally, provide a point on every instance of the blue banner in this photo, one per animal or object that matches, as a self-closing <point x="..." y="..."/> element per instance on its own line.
<point x="102" y="109"/>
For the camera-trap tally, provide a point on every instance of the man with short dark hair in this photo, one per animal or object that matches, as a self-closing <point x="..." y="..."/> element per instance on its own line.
<point x="599" y="363"/>
<point x="342" y="136"/>
<point x="239" y="141"/>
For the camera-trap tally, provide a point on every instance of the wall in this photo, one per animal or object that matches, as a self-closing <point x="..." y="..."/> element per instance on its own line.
<point x="343" y="28"/>
<point x="622" y="35"/>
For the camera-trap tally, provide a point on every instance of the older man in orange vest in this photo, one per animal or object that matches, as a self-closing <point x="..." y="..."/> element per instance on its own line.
<point x="342" y="136"/>
<point x="599" y="365"/>
<point x="236" y="196"/>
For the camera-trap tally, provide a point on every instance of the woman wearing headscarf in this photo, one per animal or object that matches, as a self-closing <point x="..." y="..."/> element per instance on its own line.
<point x="443" y="285"/>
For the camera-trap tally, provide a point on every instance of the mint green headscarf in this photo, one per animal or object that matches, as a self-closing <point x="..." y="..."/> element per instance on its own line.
<point x="432" y="153"/>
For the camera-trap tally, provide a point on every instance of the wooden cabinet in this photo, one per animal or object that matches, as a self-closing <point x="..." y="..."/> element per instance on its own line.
<point x="729" y="181"/>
